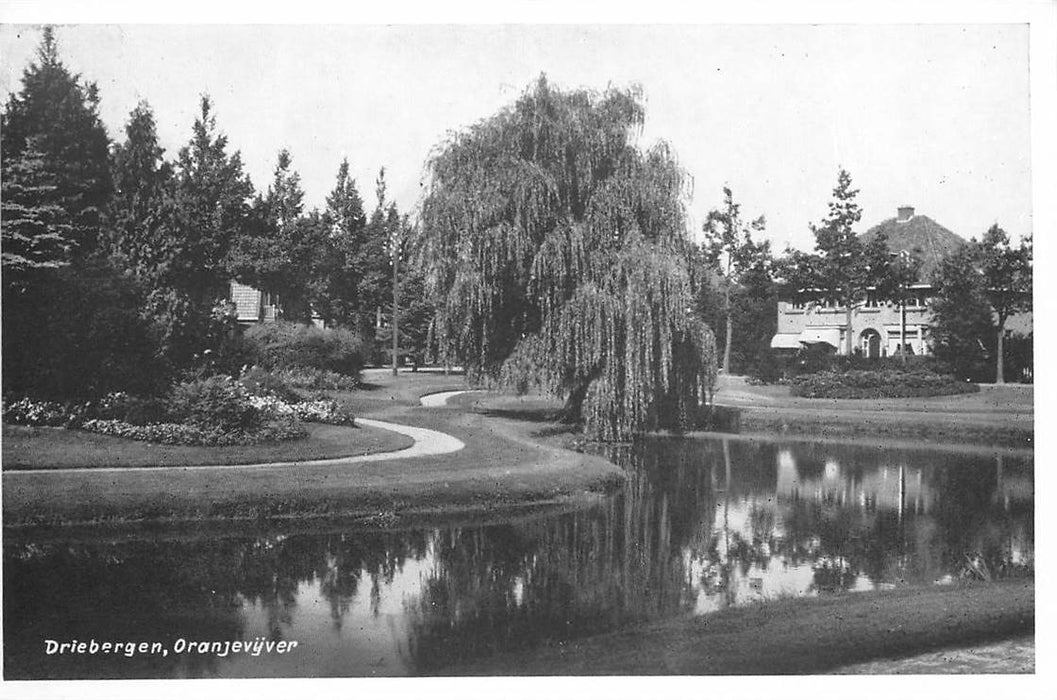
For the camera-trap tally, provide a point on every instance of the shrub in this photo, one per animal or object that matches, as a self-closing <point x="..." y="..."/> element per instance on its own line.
<point x="316" y="379"/>
<point x="283" y="345"/>
<point x="218" y="402"/>
<point x="260" y="382"/>
<point x="870" y="384"/>
<point x="130" y="409"/>
<point x="79" y="333"/>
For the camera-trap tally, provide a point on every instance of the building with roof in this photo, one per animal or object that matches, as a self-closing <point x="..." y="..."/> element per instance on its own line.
<point x="876" y="323"/>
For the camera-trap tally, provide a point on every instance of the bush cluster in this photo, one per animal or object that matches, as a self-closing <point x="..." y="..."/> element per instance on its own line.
<point x="873" y="384"/>
<point x="261" y="382"/>
<point x="285" y="345"/>
<point x="215" y="410"/>
<point x="315" y="379"/>
<point x="217" y="402"/>
<point x="282" y="383"/>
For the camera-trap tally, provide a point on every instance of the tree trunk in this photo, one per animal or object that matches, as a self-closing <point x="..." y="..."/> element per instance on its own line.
<point x="847" y="321"/>
<point x="396" y="309"/>
<point x="1000" y="376"/>
<point x="730" y="325"/>
<point x="902" y="329"/>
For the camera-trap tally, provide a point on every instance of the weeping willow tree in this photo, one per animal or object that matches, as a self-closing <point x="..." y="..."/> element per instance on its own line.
<point x="558" y="251"/>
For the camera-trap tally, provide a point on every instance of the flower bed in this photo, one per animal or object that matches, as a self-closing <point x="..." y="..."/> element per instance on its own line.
<point x="322" y="411"/>
<point x="181" y="434"/>
<point x="216" y="411"/>
<point x="866" y="384"/>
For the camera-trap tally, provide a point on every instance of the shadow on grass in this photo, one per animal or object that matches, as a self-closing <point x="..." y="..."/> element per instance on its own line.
<point x="556" y="423"/>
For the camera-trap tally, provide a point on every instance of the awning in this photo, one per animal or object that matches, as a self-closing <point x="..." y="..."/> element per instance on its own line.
<point x="831" y="336"/>
<point x="786" y="340"/>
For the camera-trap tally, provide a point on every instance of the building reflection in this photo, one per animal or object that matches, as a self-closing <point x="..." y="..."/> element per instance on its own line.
<point x="701" y="525"/>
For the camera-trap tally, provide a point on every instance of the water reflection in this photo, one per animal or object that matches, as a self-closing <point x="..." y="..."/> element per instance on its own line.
<point x="701" y="525"/>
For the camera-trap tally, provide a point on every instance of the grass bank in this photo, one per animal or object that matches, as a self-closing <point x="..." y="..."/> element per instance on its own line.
<point x="997" y="416"/>
<point x="28" y="447"/>
<point x="794" y="636"/>
<point x="504" y="466"/>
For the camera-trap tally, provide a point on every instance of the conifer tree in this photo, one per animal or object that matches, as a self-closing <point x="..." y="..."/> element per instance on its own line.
<point x="52" y="128"/>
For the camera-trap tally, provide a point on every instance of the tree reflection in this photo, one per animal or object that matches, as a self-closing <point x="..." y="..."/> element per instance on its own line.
<point x="700" y="525"/>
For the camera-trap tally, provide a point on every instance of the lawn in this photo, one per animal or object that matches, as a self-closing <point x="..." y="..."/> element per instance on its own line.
<point x="57" y="448"/>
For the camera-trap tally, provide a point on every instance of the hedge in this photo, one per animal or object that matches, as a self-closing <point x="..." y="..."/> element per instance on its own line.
<point x="876" y="384"/>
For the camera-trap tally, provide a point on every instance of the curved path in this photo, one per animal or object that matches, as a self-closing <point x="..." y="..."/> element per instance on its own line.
<point x="427" y="443"/>
<point x="440" y="398"/>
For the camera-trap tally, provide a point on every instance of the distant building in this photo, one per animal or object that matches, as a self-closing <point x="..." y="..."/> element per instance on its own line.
<point x="253" y="305"/>
<point x="876" y="324"/>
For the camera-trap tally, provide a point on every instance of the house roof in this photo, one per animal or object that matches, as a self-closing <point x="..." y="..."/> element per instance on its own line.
<point x="909" y="230"/>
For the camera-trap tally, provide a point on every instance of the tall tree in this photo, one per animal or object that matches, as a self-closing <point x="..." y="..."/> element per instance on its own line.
<point x="210" y="210"/>
<point x="1007" y="280"/>
<point x="141" y="235"/>
<point x="71" y="322"/>
<point x="55" y="118"/>
<point x="961" y="332"/>
<point x="729" y="246"/>
<point x="373" y="260"/>
<point x="338" y="298"/>
<point x="559" y="251"/>
<point x="904" y="272"/>
<point x="280" y="250"/>
<point x="213" y="198"/>
<point x="842" y="267"/>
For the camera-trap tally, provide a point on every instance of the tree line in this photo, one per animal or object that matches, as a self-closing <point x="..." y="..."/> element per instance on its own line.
<point x="552" y="253"/>
<point x="117" y="261"/>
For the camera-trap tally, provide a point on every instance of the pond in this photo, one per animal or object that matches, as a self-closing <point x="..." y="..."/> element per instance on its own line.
<point x="701" y="525"/>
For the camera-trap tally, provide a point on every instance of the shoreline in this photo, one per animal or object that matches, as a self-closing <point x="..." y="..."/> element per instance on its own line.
<point x="800" y="636"/>
<point x="530" y="463"/>
<point x="522" y="472"/>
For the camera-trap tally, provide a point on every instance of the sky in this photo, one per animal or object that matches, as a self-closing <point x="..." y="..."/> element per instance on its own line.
<point x="932" y="116"/>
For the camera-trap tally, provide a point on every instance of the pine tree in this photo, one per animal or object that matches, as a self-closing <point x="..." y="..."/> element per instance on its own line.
<point x="277" y="252"/>
<point x="338" y="298"/>
<point x="842" y="269"/>
<point x="37" y="234"/>
<point x="71" y="321"/>
<point x="212" y="200"/>
<point x="141" y="235"/>
<point x="54" y="119"/>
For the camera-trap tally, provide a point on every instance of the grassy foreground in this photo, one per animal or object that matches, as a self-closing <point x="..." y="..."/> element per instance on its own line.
<point x="57" y="448"/>
<point x="794" y="636"/>
<point x="504" y="466"/>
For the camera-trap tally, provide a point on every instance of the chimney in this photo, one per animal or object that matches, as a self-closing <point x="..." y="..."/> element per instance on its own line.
<point x="905" y="213"/>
